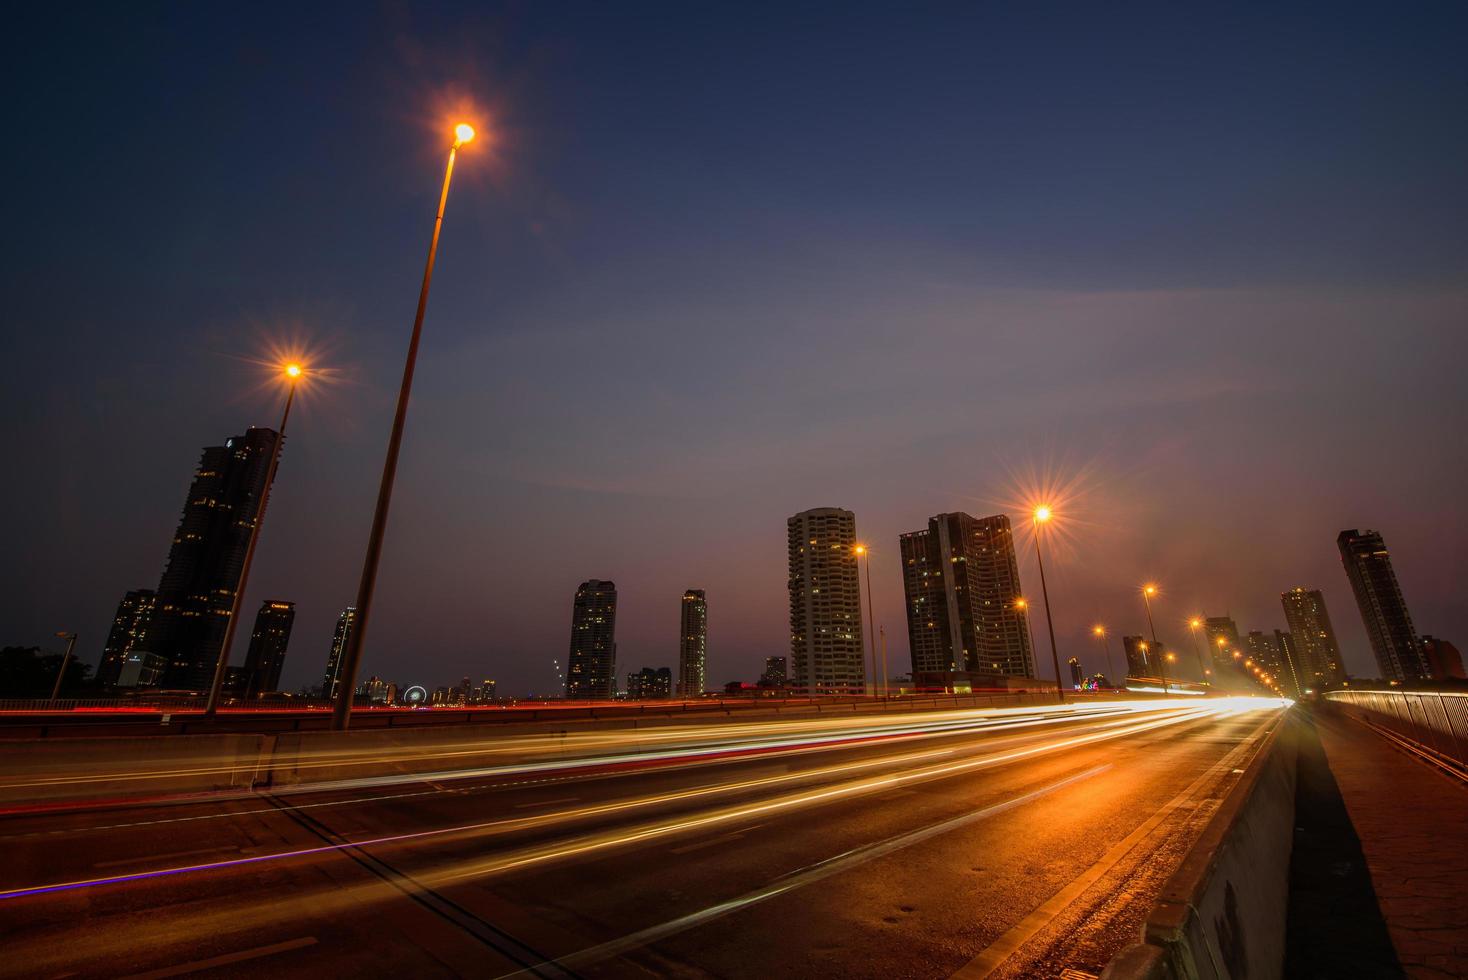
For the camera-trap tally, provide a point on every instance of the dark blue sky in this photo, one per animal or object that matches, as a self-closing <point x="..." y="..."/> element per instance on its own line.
<point x="714" y="264"/>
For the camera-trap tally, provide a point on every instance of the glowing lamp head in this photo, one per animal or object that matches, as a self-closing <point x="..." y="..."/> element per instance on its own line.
<point x="1042" y="514"/>
<point x="293" y="371"/>
<point x="1020" y="604"/>
<point x="463" y="133"/>
<point x="1098" y="630"/>
<point x="1195" y="622"/>
<point x="860" y="549"/>
<point x="1149" y="590"/>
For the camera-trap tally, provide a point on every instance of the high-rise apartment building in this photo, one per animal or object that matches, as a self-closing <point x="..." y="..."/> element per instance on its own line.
<point x="345" y="623"/>
<point x="1319" y="654"/>
<point x="1291" y="678"/>
<point x="774" y="675"/>
<point x="1383" y="610"/>
<point x="129" y="624"/>
<point x="1443" y="658"/>
<point x="591" y="670"/>
<point x="693" y="645"/>
<point x="825" y="603"/>
<point x="1222" y="628"/>
<point x="960" y="579"/>
<point x="1140" y="660"/>
<point x="649" y="684"/>
<point x="197" y="591"/>
<point x="1263" y="649"/>
<point x="268" y="641"/>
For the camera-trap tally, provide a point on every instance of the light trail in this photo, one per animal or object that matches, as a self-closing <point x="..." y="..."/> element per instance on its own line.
<point x="596" y="842"/>
<point x="681" y="742"/>
<point x="798" y="879"/>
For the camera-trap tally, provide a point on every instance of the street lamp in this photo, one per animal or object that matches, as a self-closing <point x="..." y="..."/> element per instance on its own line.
<point x="1194" y="625"/>
<point x="65" y="659"/>
<point x="352" y="656"/>
<point x="1148" y="591"/>
<point x="860" y="551"/>
<point x="1100" y="633"/>
<point x="293" y="373"/>
<point x="1042" y="517"/>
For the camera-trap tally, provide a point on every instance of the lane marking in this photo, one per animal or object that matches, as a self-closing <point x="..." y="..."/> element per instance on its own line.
<point x="798" y="879"/>
<point x="225" y="960"/>
<point x="690" y="848"/>
<point x="1008" y="944"/>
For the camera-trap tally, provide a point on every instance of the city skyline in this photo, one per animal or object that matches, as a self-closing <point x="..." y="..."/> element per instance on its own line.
<point x="1111" y="318"/>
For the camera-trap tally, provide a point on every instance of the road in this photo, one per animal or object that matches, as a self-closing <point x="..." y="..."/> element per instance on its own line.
<point x="983" y="843"/>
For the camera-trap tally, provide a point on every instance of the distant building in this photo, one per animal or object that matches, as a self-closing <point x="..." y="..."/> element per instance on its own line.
<point x="1383" y="610"/>
<point x="960" y="580"/>
<point x="1319" y="653"/>
<point x="826" y="654"/>
<point x="592" y="667"/>
<point x="1222" y="628"/>
<point x="345" y="623"/>
<point x="650" y="684"/>
<point x="774" y="675"/>
<point x="1077" y="678"/>
<point x="197" y="590"/>
<point x="693" y="645"/>
<point x="488" y="691"/>
<point x="1264" y="651"/>
<point x="1291" y="679"/>
<point x="129" y="624"/>
<point x="1443" y="659"/>
<point x="141" y="669"/>
<point x="1138" y="663"/>
<point x="268" y="641"/>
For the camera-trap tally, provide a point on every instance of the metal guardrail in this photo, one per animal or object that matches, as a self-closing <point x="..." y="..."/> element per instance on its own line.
<point x="1434" y="721"/>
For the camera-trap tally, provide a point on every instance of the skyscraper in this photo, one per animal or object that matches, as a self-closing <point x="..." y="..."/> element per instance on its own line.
<point x="1383" y="610"/>
<point x="1139" y="663"/>
<point x="693" y="645"/>
<point x="826" y="654"/>
<point x="1319" y="653"/>
<point x="344" y="625"/>
<point x="1292" y="678"/>
<point x="197" y="590"/>
<point x="961" y="579"/>
<point x="1262" y="648"/>
<point x="774" y="675"/>
<point x="266" y="656"/>
<point x="650" y="684"/>
<point x="591" y="670"/>
<point x="129" y="624"/>
<point x="1076" y="677"/>
<point x="1222" y="628"/>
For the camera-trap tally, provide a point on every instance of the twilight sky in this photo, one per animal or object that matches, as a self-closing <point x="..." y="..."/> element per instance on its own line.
<point x="711" y="264"/>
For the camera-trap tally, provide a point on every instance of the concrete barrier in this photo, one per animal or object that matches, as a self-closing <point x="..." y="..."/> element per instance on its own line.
<point x="1222" y="914"/>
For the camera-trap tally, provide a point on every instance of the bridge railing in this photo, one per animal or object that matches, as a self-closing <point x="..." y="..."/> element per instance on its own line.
<point x="1434" y="722"/>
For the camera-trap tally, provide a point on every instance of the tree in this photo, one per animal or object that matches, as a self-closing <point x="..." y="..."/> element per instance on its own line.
<point x="27" y="672"/>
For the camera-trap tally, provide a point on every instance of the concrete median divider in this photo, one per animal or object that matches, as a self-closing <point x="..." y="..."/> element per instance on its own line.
<point x="1223" y="913"/>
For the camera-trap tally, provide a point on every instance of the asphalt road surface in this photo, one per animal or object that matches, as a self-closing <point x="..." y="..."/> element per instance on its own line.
<point x="1028" y="846"/>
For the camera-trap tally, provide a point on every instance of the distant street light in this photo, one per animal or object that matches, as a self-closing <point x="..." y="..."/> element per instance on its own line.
<point x="293" y="373"/>
<point x="352" y="656"/>
<point x="870" y="687"/>
<point x="1042" y="517"/>
<point x="65" y="659"/>
<point x="1100" y="633"/>
<point x="1148" y="591"/>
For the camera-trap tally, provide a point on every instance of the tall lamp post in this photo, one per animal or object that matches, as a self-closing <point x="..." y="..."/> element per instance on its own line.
<point x="1194" y="625"/>
<point x="65" y="660"/>
<point x="863" y="551"/>
<point x="1099" y="632"/>
<point x="1148" y="591"/>
<point x="1042" y="516"/>
<point x="352" y="656"/>
<point x="293" y="373"/>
